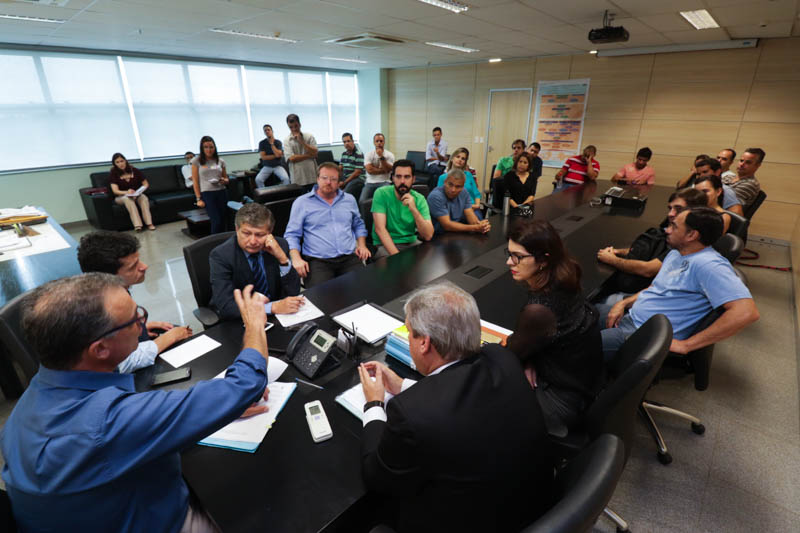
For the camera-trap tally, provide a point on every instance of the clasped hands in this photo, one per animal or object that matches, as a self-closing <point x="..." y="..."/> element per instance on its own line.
<point x="376" y="379"/>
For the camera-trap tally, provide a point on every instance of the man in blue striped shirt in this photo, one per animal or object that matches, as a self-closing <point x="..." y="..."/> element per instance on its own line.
<point x="325" y="232"/>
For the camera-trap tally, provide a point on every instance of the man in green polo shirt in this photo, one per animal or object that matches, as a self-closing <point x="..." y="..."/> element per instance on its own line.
<point x="399" y="213"/>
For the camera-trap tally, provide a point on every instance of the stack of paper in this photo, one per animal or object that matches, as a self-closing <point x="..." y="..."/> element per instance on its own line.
<point x="493" y="334"/>
<point x="27" y="211"/>
<point x="353" y="400"/>
<point x="245" y="434"/>
<point x="397" y="346"/>
<point x="371" y="324"/>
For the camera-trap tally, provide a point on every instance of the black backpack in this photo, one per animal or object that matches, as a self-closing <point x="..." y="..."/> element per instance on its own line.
<point x="649" y="245"/>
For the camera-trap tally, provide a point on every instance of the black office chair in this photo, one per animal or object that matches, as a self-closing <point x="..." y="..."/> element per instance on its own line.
<point x="424" y="190"/>
<point x="729" y="246"/>
<point x="697" y="362"/>
<point x="418" y="158"/>
<point x="750" y="210"/>
<point x="325" y="156"/>
<point x="738" y="226"/>
<point x="281" y="209"/>
<point x="630" y="372"/>
<point x="7" y="522"/>
<point x="585" y="486"/>
<point x="196" y="257"/>
<point x="16" y="349"/>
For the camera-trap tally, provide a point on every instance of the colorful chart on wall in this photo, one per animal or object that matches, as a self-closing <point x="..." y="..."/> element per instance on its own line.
<point x="558" y="123"/>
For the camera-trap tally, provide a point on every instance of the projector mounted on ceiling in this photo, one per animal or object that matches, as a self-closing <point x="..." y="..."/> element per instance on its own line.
<point x="608" y="33"/>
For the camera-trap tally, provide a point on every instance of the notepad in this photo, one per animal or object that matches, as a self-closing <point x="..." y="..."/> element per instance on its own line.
<point x="137" y="192"/>
<point x="371" y="323"/>
<point x="353" y="400"/>
<point x="308" y="311"/>
<point x="245" y="434"/>
<point x="189" y="351"/>
<point x="493" y="334"/>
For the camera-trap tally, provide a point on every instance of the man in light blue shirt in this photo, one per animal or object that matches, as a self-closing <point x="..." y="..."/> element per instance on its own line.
<point x="451" y="207"/>
<point x="84" y="451"/>
<point x="117" y="253"/>
<point x="325" y="232"/>
<point x="694" y="280"/>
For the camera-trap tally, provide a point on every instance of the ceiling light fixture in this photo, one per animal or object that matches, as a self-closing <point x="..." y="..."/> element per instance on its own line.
<point x="495" y="60"/>
<point x="32" y="19"/>
<point x="454" y="47"/>
<point x="450" y="5"/>
<point x="592" y="51"/>
<point x="343" y="59"/>
<point x="700" y="19"/>
<point x="256" y="35"/>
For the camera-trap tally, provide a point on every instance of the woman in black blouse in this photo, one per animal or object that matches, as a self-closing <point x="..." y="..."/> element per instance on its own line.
<point x="520" y="182"/>
<point x="557" y="337"/>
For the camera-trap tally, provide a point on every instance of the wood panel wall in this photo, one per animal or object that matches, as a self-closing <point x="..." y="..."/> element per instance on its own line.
<point x="679" y="104"/>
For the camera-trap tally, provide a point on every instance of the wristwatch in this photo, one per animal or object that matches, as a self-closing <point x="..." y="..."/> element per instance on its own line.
<point x="373" y="403"/>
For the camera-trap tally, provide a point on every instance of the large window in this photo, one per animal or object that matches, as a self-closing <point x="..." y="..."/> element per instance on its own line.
<point x="65" y="109"/>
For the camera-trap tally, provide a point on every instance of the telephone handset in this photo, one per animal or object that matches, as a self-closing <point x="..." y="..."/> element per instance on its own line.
<point x="310" y="348"/>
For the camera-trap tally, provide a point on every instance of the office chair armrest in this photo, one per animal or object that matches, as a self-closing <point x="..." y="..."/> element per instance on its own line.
<point x="208" y="317"/>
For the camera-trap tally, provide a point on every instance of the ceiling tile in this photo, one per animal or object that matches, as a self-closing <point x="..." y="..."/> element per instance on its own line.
<point x="775" y="29"/>
<point x="402" y="9"/>
<point x="515" y="16"/>
<point x="420" y="32"/>
<point x="755" y="12"/>
<point x="648" y="7"/>
<point x="576" y="10"/>
<point x="666" y="22"/>
<point x="329" y="12"/>
<point x="697" y="36"/>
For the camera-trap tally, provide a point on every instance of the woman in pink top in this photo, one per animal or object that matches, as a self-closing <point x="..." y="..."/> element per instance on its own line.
<point x="638" y="172"/>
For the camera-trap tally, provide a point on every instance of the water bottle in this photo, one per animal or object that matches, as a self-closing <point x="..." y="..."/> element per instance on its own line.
<point x="506" y="204"/>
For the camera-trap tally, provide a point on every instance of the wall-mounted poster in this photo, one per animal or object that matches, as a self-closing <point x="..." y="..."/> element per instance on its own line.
<point x="558" y="124"/>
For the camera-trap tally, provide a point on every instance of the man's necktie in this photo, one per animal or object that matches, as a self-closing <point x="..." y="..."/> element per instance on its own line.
<point x="259" y="277"/>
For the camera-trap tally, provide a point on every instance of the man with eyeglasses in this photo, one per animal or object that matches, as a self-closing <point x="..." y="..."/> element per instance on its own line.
<point x="84" y="451"/>
<point x="117" y="253"/>
<point x="326" y="235"/>
<point x="638" y="264"/>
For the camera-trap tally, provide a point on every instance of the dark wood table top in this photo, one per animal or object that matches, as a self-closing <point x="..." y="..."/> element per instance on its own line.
<point x="293" y="484"/>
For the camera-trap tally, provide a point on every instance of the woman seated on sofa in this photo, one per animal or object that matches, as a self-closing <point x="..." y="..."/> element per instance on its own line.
<point x="125" y="182"/>
<point x="557" y="337"/>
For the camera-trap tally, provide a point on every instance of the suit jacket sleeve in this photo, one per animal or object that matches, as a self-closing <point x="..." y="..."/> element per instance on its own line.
<point x="388" y="453"/>
<point x="222" y="266"/>
<point x="290" y="283"/>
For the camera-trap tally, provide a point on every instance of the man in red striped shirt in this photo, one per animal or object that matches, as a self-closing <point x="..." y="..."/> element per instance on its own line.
<point x="578" y="170"/>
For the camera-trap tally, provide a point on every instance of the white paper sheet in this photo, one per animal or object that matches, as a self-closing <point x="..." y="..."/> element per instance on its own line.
<point x="11" y="212"/>
<point x="137" y="192"/>
<point x="48" y="240"/>
<point x="275" y="368"/>
<point x="371" y="323"/>
<point x="189" y="351"/>
<point x="353" y="400"/>
<point x="307" y="311"/>
<point x="253" y="429"/>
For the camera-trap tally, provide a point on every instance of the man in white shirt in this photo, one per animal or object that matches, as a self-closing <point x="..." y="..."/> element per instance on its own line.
<point x="300" y="150"/>
<point x="436" y="154"/>
<point x="378" y="164"/>
<point x="118" y="253"/>
<point x="186" y="169"/>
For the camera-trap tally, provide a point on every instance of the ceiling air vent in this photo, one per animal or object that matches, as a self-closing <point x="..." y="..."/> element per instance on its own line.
<point x="54" y="3"/>
<point x="366" y="40"/>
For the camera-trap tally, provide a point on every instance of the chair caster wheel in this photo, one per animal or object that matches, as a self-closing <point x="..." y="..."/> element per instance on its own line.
<point x="620" y="530"/>
<point x="698" y="428"/>
<point x="664" y="458"/>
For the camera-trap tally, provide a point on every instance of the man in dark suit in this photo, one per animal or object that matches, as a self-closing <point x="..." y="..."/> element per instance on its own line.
<point x="465" y="449"/>
<point x="254" y="256"/>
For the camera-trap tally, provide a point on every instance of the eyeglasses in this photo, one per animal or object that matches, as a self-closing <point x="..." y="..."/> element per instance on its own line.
<point x="328" y="178"/>
<point x="141" y="318"/>
<point x="515" y="257"/>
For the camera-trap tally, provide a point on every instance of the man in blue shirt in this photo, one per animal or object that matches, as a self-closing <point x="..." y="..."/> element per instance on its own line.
<point x="451" y="207"/>
<point x="325" y="232"/>
<point x="84" y="451"/>
<point x="693" y="280"/>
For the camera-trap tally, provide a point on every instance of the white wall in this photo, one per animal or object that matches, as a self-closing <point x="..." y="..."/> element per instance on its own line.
<point x="373" y="106"/>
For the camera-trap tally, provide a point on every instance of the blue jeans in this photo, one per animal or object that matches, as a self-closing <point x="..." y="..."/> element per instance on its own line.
<point x="216" y="207"/>
<point x="613" y="338"/>
<point x="369" y="190"/>
<point x="266" y="172"/>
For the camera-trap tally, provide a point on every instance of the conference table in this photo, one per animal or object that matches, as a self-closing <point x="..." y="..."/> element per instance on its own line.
<point x="20" y="273"/>
<point x="292" y="484"/>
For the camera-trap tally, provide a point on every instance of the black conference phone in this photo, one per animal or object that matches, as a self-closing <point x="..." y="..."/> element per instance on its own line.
<point x="311" y="349"/>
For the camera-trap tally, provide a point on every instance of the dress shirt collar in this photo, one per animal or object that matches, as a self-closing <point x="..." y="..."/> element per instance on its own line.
<point x="85" y="380"/>
<point x="441" y="368"/>
<point x="313" y="193"/>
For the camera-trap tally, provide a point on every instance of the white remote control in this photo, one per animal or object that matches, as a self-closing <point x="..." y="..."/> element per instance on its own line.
<point x="317" y="421"/>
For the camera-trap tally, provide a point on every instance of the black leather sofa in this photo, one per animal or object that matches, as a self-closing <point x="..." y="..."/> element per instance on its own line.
<point x="167" y="194"/>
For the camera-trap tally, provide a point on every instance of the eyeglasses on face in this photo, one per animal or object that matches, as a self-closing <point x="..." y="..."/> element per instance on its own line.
<point x="515" y="257"/>
<point x="141" y="318"/>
